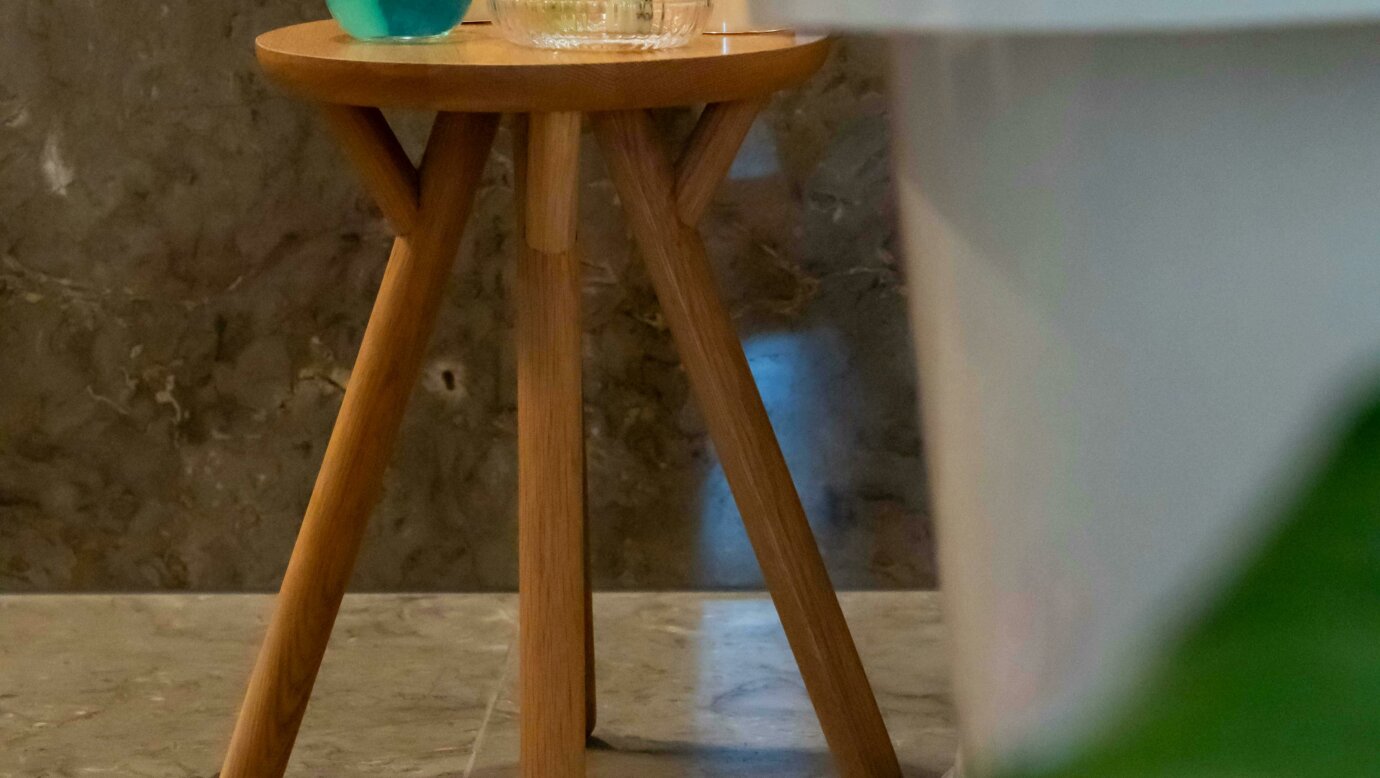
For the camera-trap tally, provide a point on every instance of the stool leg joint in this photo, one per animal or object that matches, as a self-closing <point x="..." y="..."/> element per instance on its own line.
<point x="709" y="154"/>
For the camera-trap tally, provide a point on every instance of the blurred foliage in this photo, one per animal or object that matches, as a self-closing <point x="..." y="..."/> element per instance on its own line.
<point x="1281" y="677"/>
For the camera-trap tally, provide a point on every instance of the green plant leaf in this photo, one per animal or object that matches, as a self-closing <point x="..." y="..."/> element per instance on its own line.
<point x="1281" y="677"/>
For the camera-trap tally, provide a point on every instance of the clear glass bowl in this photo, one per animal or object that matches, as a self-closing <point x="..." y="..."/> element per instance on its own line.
<point x="629" y="25"/>
<point x="397" y="20"/>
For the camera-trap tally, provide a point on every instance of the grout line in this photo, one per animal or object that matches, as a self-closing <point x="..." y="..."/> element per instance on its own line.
<point x="493" y="704"/>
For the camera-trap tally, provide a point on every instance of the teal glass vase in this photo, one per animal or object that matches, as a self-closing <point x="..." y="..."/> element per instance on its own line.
<point x="397" y="20"/>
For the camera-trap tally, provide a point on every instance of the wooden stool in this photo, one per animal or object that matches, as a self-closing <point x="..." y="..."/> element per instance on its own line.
<point x="470" y="81"/>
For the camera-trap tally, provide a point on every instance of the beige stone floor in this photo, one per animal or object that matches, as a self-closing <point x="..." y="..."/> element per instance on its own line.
<point x="423" y="685"/>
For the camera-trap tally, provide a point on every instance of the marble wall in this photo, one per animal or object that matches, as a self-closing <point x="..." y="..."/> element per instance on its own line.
<point x="186" y="267"/>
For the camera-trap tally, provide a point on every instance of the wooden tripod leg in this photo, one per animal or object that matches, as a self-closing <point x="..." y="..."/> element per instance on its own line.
<point x="520" y="129"/>
<point x="552" y="602"/>
<point x="520" y="139"/>
<point x="351" y="475"/>
<point x="747" y="447"/>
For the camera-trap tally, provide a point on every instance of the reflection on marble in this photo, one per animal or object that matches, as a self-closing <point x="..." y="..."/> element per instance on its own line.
<point x="186" y="267"/>
<point x="705" y="685"/>
<point x="689" y="685"/>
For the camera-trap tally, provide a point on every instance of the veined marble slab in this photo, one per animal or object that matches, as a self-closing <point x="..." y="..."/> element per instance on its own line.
<point x="423" y="685"/>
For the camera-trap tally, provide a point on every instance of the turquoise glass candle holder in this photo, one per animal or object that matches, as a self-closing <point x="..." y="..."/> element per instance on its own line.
<point x="397" y="20"/>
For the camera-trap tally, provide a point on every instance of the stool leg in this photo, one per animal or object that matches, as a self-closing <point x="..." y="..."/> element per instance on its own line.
<point x="552" y="603"/>
<point x="520" y="136"/>
<point x="351" y="475"/>
<point x="746" y="445"/>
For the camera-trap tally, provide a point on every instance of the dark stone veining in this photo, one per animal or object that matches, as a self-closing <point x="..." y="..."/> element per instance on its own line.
<point x="186" y="268"/>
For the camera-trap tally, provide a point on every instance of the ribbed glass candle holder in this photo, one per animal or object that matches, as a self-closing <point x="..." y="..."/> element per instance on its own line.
<point x="630" y="25"/>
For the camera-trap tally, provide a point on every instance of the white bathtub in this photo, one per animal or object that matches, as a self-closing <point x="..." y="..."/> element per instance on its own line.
<point x="1144" y="255"/>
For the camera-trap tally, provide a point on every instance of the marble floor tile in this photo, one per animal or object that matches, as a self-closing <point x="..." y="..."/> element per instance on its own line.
<point x="422" y="685"/>
<point x="148" y="685"/>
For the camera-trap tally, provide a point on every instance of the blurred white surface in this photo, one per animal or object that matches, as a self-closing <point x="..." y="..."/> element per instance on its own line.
<point x="1144" y="256"/>
<point x="1144" y="273"/>
<point x="1045" y="16"/>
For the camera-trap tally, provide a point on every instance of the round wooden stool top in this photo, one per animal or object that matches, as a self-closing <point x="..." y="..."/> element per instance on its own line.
<point x="476" y="70"/>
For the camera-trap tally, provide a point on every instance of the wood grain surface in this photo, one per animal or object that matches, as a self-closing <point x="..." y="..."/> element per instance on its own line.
<point x="553" y="603"/>
<point x="709" y="154"/>
<point x="477" y="70"/>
